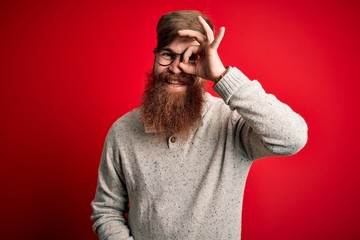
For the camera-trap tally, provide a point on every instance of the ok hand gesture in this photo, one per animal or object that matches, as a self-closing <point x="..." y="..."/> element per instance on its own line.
<point x="208" y="65"/>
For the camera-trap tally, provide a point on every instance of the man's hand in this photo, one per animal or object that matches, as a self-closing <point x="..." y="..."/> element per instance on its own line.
<point x="209" y="65"/>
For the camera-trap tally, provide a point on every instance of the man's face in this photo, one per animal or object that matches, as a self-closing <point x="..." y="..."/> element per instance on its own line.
<point x="178" y="46"/>
<point x="173" y="100"/>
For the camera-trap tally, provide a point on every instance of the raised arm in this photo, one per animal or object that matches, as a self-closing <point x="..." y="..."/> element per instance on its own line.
<point x="263" y="125"/>
<point x="266" y="126"/>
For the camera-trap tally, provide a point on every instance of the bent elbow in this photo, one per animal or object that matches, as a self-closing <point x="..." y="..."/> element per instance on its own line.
<point x="295" y="142"/>
<point x="290" y="143"/>
<point x="298" y="143"/>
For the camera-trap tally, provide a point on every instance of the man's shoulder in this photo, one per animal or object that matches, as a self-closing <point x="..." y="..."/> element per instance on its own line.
<point x="125" y="129"/>
<point x="214" y="102"/>
<point x="211" y="99"/>
<point x="129" y="120"/>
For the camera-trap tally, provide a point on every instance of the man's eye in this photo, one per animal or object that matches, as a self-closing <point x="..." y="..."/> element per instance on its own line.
<point x="193" y="58"/>
<point x="167" y="55"/>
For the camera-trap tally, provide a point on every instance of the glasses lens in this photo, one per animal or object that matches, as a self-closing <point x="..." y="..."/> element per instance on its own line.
<point x="165" y="57"/>
<point x="193" y="59"/>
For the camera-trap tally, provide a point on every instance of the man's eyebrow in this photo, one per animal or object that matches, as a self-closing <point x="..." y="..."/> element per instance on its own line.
<point x="169" y="49"/>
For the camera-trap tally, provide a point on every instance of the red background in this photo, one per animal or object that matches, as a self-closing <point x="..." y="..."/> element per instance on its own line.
<point x="69" y="69"/>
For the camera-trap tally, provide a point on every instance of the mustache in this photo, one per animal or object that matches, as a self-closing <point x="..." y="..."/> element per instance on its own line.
<point x="184" y="78"/>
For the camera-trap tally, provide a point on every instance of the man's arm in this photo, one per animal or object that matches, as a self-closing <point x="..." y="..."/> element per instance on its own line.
<point x="268" y="127"/>
<point x="111" y="197"/>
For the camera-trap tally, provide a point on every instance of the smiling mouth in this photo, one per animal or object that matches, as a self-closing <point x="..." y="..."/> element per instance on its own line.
<point x="175" y="83"/>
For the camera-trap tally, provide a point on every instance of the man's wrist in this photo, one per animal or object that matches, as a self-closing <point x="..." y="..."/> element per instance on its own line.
<point x="222" y="74"/>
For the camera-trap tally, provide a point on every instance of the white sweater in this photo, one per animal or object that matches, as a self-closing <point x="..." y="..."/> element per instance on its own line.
<point x="192" y="190"/>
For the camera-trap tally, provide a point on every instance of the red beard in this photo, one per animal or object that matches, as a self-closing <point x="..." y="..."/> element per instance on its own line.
<point x="171" y="113"/>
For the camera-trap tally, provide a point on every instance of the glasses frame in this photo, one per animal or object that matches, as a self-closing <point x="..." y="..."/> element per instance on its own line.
<point x="173" y="56"/>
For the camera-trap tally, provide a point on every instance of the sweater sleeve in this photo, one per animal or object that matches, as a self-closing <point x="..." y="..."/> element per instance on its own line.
<point x="111" y="199"/>
<point x="266" y="126"/>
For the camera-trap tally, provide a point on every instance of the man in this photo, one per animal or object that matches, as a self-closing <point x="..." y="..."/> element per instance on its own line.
<point x="181" y="160"/>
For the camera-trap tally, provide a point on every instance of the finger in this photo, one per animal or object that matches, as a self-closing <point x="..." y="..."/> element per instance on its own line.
<point x="206" y="27"/>
<point x="215" y="44"/>
<point x="190" y="51"/>
<point x="187" y="68"/>
<point x="192" y="34"/>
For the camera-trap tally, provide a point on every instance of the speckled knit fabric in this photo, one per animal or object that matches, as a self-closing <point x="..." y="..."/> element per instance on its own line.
<point x="192" y="190"/>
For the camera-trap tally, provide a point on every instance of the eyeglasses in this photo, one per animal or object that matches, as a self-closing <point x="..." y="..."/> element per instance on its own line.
<point x="165" y="57"/>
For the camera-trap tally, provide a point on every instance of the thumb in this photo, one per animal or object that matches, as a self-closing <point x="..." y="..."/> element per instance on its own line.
<point x="187" y="68"/>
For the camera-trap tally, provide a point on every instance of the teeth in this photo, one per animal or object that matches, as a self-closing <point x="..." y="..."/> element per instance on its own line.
<point x="175" y="84"/>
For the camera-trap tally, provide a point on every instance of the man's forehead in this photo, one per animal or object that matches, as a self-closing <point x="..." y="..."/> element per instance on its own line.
<point x="181" y="43"/>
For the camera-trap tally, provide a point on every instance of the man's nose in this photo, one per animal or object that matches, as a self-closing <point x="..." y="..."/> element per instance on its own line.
<point x="174" y="66"/>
